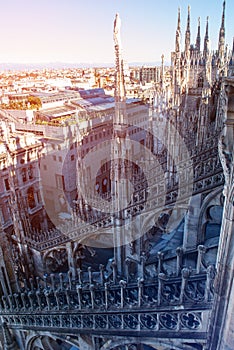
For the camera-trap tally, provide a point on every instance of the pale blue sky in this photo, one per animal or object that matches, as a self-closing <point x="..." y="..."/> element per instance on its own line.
<point x="81" y="31"/>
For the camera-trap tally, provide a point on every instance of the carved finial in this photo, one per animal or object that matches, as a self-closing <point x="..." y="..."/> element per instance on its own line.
<point x="223" y="15"/>
<point x="198" y="40"/>
<point x="207" y="25"/>
<point x="120" y="94"/>
<point x="188" y="19"/>
<point x="222" y="34"/>
<point x="178" y="25"/>
<point x="178" y="34"/>
<point x="187" y="35"/>
<point x="206" y="40"/>
<point x="117" y="25"/>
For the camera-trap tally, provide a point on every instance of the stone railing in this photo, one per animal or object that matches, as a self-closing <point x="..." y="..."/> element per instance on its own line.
<point x="178" y="304"/>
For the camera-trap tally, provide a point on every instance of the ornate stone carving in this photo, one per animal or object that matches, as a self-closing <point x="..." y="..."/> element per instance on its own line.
<point x="56" y="260"/>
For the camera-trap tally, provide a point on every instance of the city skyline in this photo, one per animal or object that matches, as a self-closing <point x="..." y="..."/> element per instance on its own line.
<point x="80" y="32"/>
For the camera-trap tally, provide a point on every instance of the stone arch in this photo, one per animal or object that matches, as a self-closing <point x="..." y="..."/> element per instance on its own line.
<point x="212" y="198"/>
<point x="56" y="258"/>
<point x="33" y="342"/>
<point x="49" y="251"/>
<point x="39" y="341"/>
<point x="154" y="217"/>
<point x="125" y="344"/>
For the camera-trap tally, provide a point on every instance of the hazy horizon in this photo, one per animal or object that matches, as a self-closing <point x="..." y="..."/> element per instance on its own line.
<point x="17" y="66"/>
<point x="78" y="31"/>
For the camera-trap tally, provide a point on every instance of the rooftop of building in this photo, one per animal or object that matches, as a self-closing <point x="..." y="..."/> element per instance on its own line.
<point x="63" y="95"/>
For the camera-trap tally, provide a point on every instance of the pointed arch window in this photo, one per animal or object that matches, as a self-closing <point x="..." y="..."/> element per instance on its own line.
<point x="31" y="198"/>
<point x="200" y="82"/>
<point x="30" y="172"/>
<point x="24" y="175"/>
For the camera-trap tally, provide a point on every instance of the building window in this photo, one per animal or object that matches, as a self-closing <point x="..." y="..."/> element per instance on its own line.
<point x="7" y="185"/>
<point x="7" y="212"/>
<point x="97" y="187"/>
<point x="54" y="158"/>
<point x="60" y="159"/>
<point x="38" y="197"/>
<point x="104" y="185"/>
<point x="2" y="216"/>
<point x="72" y="157"/>
<point x="45" y="167"/>
<point x="59" y="181"/>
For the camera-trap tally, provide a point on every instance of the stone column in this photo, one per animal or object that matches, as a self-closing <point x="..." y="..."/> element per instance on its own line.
<point x="70" y="258"/>
<point x="191" y="223"/>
